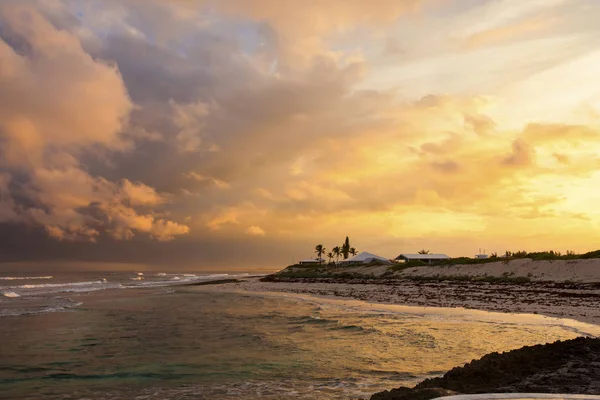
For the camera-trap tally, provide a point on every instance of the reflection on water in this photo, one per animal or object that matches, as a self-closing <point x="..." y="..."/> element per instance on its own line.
<point x="188" y="344"/>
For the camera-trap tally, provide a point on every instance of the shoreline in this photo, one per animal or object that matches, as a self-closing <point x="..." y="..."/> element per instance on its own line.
<point x="580" y="327"/>
<point x="552" y="367"/>
<point x="536" y="298"/>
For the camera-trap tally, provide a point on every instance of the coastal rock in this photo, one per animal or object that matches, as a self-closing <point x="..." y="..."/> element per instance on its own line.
<point x="571" y="366"/>
<point x="404" y="393"/>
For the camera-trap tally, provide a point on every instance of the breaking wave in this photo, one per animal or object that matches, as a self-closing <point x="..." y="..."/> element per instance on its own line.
<point x="58" y="285"/>
<point x="19" y="278"/>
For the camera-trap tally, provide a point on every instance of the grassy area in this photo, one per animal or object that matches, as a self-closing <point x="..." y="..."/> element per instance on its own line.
<point x="326" y="271"/>
<point x="539" y="255"/>
<point x="518" y="280"/>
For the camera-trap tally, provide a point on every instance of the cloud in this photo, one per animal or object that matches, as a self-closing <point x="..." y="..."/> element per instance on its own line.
<point x="61" y="105"/>
<point x="209" y="122"/>
<point x="54" y="93"/>
<point x="556" y="133"/>
<point x="522" y="154"/>
<point x="255" y="231"/>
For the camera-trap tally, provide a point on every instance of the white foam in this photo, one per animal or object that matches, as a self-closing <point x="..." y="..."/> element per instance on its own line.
<point x="58" y="285"/>
<point x="161" y="274"/>
<point x="140" y="274"/>
<point x="18" y="278"/>
<point x="10" y="294"/>
<point x="139" y="278"/>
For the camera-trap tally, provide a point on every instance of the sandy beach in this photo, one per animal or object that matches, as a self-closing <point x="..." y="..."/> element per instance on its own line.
<point x="577" y="270"/>
<point x="551" y="299"/>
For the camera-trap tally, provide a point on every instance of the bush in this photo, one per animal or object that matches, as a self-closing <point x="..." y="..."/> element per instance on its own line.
<point x="591" y="254"/>
<point x="517" y="280"/>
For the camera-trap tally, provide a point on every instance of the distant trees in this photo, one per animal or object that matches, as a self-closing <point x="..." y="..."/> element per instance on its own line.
<point x="320" y="250"/>
<point x="337" y="251"/>
<point x="330" y="256"/>
<point x="345" y="250"/>
<point x="423" y="251"/>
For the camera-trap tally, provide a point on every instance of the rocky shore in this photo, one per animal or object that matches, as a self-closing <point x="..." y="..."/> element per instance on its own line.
<point x="571" y="366"/>
<point x="563" y="300"/>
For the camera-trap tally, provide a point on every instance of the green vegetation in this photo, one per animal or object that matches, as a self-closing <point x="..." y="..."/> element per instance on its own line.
<point x="345" y="250"/>
<point x="517" y="280"/>
<point x="314" y="271"/>
<point x="330" y="255"/>
<point x="515" y="255"/>
<point x="337" y="252"/>
<point x="320" y="250"/>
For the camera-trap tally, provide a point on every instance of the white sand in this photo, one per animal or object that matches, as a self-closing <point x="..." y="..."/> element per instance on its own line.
<point x="584" y="271"/>
<point x="587" y="271"/>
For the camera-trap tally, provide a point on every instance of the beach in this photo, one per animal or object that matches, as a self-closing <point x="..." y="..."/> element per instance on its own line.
<point x="553" y="300"/>
<point x="557" y="288"/>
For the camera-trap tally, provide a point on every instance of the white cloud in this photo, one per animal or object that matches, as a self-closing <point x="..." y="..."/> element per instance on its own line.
<point x="255" y="231"/>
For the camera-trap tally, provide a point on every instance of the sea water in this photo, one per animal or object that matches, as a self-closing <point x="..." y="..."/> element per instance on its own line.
<point x="154" y="338"/>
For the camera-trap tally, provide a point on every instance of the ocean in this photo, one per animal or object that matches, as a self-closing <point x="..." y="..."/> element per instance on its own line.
<point x="122" y="336"/>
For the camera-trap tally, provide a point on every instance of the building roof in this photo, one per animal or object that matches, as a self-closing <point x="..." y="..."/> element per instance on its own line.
<point x="364" y="257"/>
<point x="423" y="257"/>
<point x="311" y="260"/>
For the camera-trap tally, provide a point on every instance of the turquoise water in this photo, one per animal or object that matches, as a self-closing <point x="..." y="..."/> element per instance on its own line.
<point x="199" y="343"/>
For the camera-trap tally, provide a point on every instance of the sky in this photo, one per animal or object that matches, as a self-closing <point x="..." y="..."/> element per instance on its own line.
<point x="238" y="134"/>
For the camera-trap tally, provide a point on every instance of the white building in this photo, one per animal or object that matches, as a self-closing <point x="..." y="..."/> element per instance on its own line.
<point x="428" y="258"/>
<point x="311" y="261"/>
<point x="365" y="258"/>
<point x="481" y="255"/>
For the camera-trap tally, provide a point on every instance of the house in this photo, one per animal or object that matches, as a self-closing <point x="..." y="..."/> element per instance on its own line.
<point x="364" y="258"/>
<point x="310" y="261"/>
<point x="428" y="258"/>
<point x="481" y="255"/>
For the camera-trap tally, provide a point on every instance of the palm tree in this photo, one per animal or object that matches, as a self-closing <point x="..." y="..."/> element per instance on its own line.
<point x="346" y="248"/>
<point x="423" y="251"/>
<point x="319" y="249"/>
<point x="330" y="256"/>
<point x="337" y="252"/>
<point x="353" y="251"/>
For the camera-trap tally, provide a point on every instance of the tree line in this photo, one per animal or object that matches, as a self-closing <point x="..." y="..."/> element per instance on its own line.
<point x="345" y="250"/>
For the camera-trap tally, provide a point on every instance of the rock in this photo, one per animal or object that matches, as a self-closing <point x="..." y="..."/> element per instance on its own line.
<point x="404" y="393"/>
<point x="571" y="366"/>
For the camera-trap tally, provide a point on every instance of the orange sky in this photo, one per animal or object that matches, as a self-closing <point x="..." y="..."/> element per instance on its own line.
<point x="266" y="125"/>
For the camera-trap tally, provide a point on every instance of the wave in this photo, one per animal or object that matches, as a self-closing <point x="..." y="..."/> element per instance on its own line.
<point x="10" y="294"/>
<point x="48" y="309"/>
<point x="58" y="285"/>
<point x="55" y="304"/>
<point x="19" y="278"/>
